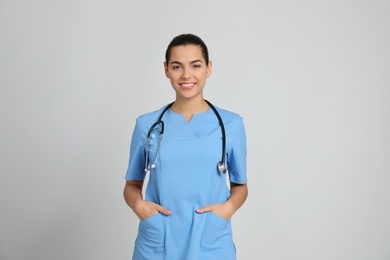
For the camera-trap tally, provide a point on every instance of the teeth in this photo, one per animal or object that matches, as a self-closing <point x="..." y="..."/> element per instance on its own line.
<point x="187" y="85"/>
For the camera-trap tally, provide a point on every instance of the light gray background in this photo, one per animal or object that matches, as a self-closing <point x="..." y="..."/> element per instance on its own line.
<point x="310" y="78"/>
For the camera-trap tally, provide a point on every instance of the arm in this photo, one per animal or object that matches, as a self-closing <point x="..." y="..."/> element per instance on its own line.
<point x="238" y="195"/>
<point x="142" y="208"/>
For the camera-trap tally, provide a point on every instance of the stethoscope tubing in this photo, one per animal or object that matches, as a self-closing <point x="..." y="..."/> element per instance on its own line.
<point x="221" y="165"/>
<point x="223" y="162"/>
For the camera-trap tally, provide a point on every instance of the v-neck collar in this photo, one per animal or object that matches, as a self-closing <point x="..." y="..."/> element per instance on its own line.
<point x="194" y="116"/>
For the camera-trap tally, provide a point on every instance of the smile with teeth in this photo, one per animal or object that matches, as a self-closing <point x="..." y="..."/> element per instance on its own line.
<point x="187" y="85"/>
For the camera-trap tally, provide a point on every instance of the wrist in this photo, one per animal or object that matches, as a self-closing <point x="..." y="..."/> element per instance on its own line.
<point x="229" y="207"/>
<point x="138" y="205"/>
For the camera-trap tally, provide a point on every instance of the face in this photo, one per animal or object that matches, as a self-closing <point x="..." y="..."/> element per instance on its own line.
<point x="187" y="70"/>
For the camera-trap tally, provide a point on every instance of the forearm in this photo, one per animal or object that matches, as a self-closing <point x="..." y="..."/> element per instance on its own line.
<point x="133" y="193"/>
<point x="238" y="195"/>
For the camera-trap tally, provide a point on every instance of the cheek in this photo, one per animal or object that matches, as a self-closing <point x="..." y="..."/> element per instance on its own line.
<point x="170" y="75"/>
<point x="174" y="74"/>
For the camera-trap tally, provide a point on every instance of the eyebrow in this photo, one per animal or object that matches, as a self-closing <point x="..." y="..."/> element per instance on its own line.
<point x="192" y="62"/>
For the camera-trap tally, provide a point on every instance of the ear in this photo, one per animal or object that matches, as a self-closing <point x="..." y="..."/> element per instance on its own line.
<point x="209" y="68"/>
<point x="166" y="70"/>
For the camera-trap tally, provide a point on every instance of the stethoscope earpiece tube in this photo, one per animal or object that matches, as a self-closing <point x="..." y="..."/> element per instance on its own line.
<point x="154" y="125"/>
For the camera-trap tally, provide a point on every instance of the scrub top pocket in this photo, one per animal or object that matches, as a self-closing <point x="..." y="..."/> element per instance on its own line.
<point x="217" y="230"/>
<point x="217" y="240"/>
<point x="150" y="240"/>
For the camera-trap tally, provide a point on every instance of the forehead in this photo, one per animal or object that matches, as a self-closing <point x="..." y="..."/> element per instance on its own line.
<point x="186" y="53"/>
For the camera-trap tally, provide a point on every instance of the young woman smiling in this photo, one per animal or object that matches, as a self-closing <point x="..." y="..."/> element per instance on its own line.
<point x="187" y="210"/>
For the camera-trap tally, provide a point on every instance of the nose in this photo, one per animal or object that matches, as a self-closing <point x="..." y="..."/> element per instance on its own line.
<point x="186" y="73"/>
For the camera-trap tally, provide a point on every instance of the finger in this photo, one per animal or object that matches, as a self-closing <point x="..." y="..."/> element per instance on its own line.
<point x="204" y="209"/>
<point x="163" y="210"/>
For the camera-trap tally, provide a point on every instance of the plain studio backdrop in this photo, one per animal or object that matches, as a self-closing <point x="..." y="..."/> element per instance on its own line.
<point x="310" y="78"/>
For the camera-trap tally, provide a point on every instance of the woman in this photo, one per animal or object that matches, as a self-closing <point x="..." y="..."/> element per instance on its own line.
<point x="188" y="206"/>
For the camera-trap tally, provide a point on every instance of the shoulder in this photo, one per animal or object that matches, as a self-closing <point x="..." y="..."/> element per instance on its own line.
<point x="148" y="119"/>
<point x="233" y="122"/>
<point x="229" y="116"/>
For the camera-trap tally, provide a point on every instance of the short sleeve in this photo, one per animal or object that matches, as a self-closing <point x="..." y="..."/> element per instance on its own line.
<point x="237" y="157"/>
<point x="135" y="169"/>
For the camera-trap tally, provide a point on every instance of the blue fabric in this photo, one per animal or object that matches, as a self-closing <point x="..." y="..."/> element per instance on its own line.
<point x="186" y="178"/>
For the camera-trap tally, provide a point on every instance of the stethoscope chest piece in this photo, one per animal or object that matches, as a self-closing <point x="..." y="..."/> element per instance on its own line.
<point x="222" y="167"/>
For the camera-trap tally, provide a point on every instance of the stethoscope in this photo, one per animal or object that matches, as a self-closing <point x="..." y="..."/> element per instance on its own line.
<point x="221" y="164"/>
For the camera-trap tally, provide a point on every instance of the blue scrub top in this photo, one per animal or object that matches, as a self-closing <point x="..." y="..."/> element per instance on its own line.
<point x="186" y="178"/>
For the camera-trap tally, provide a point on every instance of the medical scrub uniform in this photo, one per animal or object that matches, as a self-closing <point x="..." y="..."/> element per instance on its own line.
<point x="186" y="178"/>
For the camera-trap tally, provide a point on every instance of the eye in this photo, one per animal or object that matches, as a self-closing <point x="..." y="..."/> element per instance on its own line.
<point x="196" y="66"/>
<point x="175" y="67"/>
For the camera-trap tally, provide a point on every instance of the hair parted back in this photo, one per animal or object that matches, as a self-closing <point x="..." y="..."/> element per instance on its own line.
<point x="187" y="39"/>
